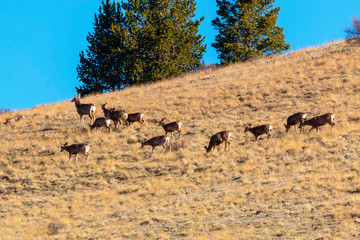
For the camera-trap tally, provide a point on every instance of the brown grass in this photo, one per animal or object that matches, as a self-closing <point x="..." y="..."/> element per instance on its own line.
<point x="290" y="187"/>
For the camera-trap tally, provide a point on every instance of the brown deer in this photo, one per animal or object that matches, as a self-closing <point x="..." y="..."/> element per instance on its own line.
<point x="100" y="122"/>
<point x="319" y="121"/>
<point x="76" y="149"/>
<point x="157" y="141"/>
<point x="84" y="109"/>
<point x="171" y="127"/>
<point x="217" y="139"/>
<point x="117" y="116"/>
<point x="135" y="117"/>
<point x="295" y="119"/>
<point x="259" y="130"/>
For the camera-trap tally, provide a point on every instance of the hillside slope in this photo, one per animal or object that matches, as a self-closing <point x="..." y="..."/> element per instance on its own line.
<point x="292" y="186"/>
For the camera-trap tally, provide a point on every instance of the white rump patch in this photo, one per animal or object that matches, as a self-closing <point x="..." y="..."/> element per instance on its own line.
<point x="108" y="122"/>
<point x="229" y="135"/>
<point x="93" y="109"/>
<point x="332" y="118"/>
<point x="125" y="115"/>
<point x="180" y="124"/>
<point x="304" y="116"/>
<point x="270" y="127"/>
<point x="87" y="148"/>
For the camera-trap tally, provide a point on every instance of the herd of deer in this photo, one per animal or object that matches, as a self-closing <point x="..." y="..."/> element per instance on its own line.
<point x="120" y="116"/>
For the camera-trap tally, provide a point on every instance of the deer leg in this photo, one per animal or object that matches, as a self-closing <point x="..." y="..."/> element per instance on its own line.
<point x="69" y="157"/>
<point x="295" y="130"/>
<point x="225" y="146"/>
<point x="312" y="128"/>
<point x="76" y="159"/>
<point x="229" y="146"/>
<point x="268" y="135"/>
<point x="152" y="150"/>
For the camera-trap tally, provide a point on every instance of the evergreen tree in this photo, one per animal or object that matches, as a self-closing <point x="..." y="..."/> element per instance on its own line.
<point x="98" y="70"/>
<point x="162" y="39"/>
<point x="140" y="41"/>
<point x="247" y="29"/>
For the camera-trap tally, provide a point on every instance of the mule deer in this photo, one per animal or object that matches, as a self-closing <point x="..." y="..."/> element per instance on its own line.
<point x="319" y="121"/>
<point x="76" y="149"/>
<point x="100" y="122"/>
<point x="135" y="117"/>
<point x="259" y="130"/>
<point x="171" y="127"/>
<point x="157" y="141"/>
<point x="295" y="119"/>
<point x="84" y="109"/>
<point x="217" y="139"/>
<point x="117" y="116"/>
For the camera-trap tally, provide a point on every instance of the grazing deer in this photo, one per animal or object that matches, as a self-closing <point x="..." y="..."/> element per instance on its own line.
<point x="259" y="130"/>
<point x="117" y="116"/>
<point x="84" y="109"/>
<point x="319" y="121"/>
<point x="217" y="139"/>
<point x="157" y="141"/>
<point x="295" y="119"/>
<point x="171" y="127"/>
<point x="76" y="149"/>
<point x="135" y="117"/>
<point x="100" y="122"/>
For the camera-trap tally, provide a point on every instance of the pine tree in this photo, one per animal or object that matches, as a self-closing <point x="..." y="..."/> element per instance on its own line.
<point x="140" y="41"/>
<point x="98" y="70"/>
<point x="164" y="40"/>
<point x="247" y="29"/>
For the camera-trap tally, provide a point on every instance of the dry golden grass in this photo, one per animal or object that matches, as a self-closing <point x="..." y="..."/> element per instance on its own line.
<point x="290" y="187"/>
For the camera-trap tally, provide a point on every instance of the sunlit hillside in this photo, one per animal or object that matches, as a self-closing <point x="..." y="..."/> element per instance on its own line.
<point x="289" y="187"/>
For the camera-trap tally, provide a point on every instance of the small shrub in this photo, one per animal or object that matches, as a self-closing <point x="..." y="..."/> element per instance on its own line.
<point x="55" y="226"/>
<point x="353" y="32"/>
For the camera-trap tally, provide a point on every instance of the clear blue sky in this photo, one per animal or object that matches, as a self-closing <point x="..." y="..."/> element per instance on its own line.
<point x="40" y="41"/>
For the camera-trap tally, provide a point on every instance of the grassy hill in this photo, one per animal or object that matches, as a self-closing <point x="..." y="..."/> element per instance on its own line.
<point x="290" y="187"/>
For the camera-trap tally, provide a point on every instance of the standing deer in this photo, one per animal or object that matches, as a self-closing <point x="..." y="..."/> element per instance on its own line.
<point x="171" y="127"/>
<point x="157" y="141"/>
<point x="259" y="130"/>
<point x="217" y="139"/>
<point x="84" y="109"/>
<point x="295" y="119"/>
<point x="100" y="122"/>
<point x="319" y="121"/>
<point x="117" y="116"/>
<point x="135" y="117"/>
<point x="76" y="149"/>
